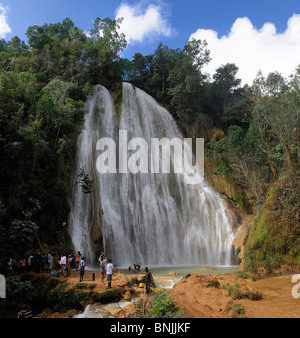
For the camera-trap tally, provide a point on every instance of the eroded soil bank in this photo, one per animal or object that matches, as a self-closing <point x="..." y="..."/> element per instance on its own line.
<point x="205" y="296"/>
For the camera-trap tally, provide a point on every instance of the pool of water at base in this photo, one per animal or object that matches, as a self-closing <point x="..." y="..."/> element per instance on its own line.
<point x="165" y="277"/>
<point x="183" y="270"/>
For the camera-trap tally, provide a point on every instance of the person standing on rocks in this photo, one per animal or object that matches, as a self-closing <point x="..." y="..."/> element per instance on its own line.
<point x="81" y="270"/>
<point x="63" y="262"/>
<point x="148" y="279"/>
<point x="102" y="270"/>
<point x="68" y="266"/>
<point x="109" y="272"/>
<point x="77" y="260"/>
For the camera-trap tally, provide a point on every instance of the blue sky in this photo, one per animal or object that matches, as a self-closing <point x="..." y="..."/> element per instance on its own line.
<point x="237" y="31"/>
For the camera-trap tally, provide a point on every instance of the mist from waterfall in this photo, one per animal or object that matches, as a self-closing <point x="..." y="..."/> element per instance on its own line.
<point x="145" y="218"/>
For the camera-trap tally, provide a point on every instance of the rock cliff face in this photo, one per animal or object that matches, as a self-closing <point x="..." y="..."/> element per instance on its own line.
<point x="273" y="243"/>
<point x="241" y="199"/>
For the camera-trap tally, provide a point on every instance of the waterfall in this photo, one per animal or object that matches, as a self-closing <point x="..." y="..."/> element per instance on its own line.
<point x="145" y="218"/>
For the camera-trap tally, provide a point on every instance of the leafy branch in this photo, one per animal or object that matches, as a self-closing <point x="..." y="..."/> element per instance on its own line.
<point x="85" y="182"/>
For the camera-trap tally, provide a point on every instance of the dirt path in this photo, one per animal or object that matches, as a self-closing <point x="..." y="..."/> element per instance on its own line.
<point x="277" y="301"/>
<point x="203" y="301"/>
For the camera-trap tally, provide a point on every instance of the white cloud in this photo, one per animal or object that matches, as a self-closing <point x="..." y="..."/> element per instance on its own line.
<point x="4" y="27"/>
<point x="142" y="23"/>
<point x="253" y="49"/>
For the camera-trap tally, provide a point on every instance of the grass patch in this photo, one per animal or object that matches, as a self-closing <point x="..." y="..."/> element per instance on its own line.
<point x="84" y="286"/>
<point x="109" y="296"/>
<point x="213" y="284"/>
<point x="235" y="292"/>
<point x="254" y="295"/>
<point x="244" y="275"/>
<point x="238" y="311"/>
<point x="162" y="306"/>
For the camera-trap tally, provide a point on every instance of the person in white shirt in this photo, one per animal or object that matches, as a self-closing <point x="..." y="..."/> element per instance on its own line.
<point x="63" y="262"/>
<point x="29" y="262"/>
<point x="50" y="261"/>
<point x="109" y="272"/>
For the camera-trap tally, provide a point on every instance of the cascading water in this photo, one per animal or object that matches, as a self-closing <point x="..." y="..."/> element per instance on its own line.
<point x="145" y="218"/>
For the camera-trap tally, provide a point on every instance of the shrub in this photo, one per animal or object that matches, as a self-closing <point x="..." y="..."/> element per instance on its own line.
<point x="85" y="286"/>
<point x="109" y="296"/>
<point x="242" y="274"/>
<point x="20" y="236"/>
<point x="162" y="306"/>
<point x="238" y="311"/>
<point x="254" y="295"/>
<point x="213" y="284"/>
<point x="18" y="290"/>
<point x="233" y="291"/>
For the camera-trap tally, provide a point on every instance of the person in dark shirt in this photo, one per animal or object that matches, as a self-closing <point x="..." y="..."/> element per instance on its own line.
<point x="148" y="279"/>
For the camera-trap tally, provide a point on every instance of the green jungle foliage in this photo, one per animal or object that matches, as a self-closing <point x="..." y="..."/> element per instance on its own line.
<point x="43" y="87"/>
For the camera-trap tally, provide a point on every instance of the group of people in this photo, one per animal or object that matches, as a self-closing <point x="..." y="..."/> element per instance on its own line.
<point x="65" y="265"/>
<point x="50" y="262"/>
<point x="61" y="265"/>
<point x="107" y="269"/>
<point x="136" y="268"/>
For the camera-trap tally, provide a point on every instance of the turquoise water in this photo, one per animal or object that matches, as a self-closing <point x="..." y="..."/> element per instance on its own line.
<point x="183" y="270"/>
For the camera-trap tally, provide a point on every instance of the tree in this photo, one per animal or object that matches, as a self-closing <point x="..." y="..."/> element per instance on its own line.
<point x="224" y="99"/>
<point x="12" y="52"/>
<point x="276" y="115"/>
<point x="20" y="236"/>
<point x="185" y="83"/>
<point x="162" y="63"/>
<point x="102" y="50"/>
